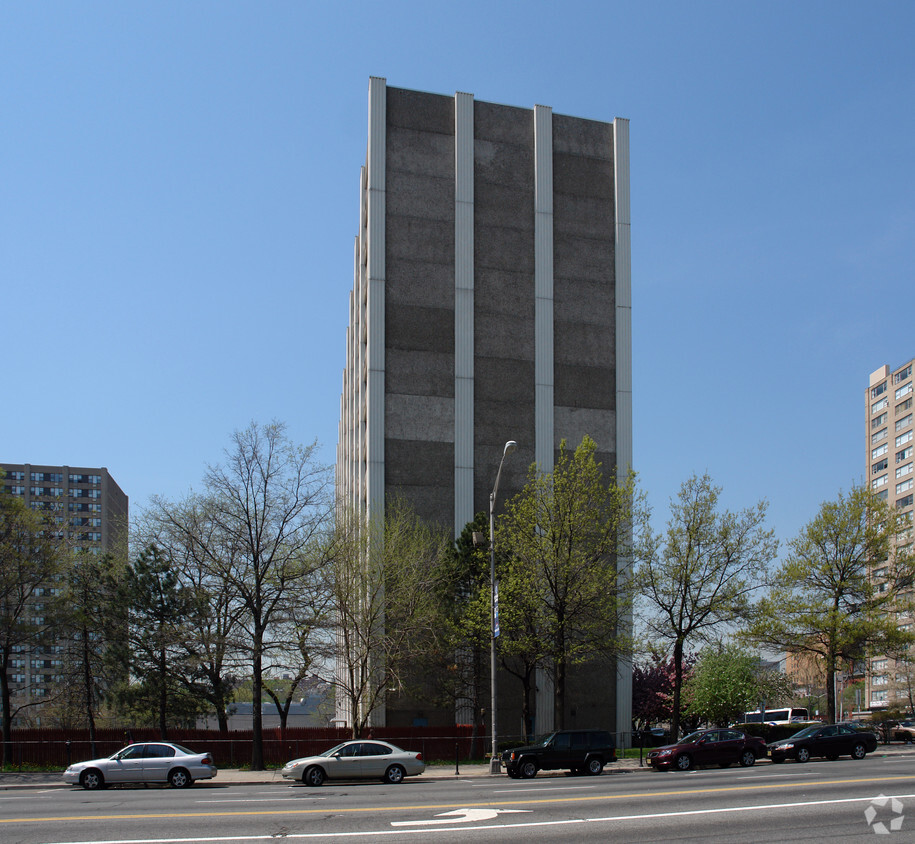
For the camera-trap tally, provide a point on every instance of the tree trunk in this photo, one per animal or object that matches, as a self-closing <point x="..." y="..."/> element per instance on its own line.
<point x="163" y="696"/>
<point x="257" y="724"/>
<point x="7" y="715"/>
<point x="87" y="687"/>
<point x="678" y="684"/>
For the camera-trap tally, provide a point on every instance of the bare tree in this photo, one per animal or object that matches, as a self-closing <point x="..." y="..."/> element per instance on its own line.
<point x="265" y="508"/>
<point x="703" y="573"/>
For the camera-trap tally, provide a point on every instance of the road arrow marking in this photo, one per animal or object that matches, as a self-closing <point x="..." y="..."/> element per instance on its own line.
<point x="462" y="816"/>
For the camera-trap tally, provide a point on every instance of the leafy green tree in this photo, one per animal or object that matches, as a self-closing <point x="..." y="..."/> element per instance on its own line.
<point x="561" y="597"/>
<point x="384" y="580"/>
<point x="702" y="574"/>
<point x="159" y="609"/>
<point x="727" y="681"/>
<point x="839" y="594"/>
<point x="93" y="633"/>
<point x="30" y="564"/>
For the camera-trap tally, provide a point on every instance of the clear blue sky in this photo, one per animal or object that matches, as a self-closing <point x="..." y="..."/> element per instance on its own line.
<point x="179" y="197"/>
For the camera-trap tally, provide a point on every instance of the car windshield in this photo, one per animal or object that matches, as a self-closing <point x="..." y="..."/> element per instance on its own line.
<point x="692" y="738"/>
<point x="334" y="749"/>
<point x="807" y="732"/>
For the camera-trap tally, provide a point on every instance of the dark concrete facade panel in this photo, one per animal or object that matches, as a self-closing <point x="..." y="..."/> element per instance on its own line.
<point x="423" y="283"/>
<point x="419" y="110"/>
<point x="409" y="327"/>
<point x="585" y="386"/>
<point x="419" y="372"/>
<point x="587" y="138"/>
<point x="419" y="239"/>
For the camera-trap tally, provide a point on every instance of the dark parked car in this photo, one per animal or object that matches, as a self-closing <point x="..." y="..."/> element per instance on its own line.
<point x="579" y="751"/>
<point x="831" y="741"/>
<point x="709" y="747"/>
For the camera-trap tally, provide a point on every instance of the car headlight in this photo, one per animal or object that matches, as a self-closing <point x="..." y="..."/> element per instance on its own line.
<point x="788" y="746"/>
<point x="664" y="752"/>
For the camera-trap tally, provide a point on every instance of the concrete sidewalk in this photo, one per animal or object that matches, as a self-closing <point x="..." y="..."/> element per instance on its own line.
<point x="235" y="776"/>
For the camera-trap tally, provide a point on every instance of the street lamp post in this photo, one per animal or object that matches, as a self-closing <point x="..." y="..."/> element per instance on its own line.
<point x="494" y="764"/>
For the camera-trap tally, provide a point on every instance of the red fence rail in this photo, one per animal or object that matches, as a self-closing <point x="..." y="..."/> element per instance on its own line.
<point x="50" y="748"/>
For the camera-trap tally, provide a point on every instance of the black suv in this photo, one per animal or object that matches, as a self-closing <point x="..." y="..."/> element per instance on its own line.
<point x="581" y="751"/>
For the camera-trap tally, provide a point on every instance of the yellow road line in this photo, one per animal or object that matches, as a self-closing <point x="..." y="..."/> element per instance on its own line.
<point x="461" y="805"/>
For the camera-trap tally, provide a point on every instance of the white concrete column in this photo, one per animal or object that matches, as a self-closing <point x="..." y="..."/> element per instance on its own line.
<point x="463" y="311"/>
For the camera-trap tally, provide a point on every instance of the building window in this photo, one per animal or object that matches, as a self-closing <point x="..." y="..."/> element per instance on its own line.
<point x="880" y="466"/>
<point x="879" y="405"/>
<point x="902" y="374"/>
<point x="97" y="493"/>
<point x="904" y="438"/>
<point x="879" y="390"/>
<point x="16" y="490"/>
<point x="95" y="479"/>
<point x="77" y="493"/>
<point x="905" y="485"/>
<point x="905" y="454"/>
<point x="880" y="679"/>
<point x="879" y="665"/>
<point x="902" y="471"/>
<point x="875" y="453"/>
<point x="904" y="390"/>
<point x="904" y="502"/>
<point x="879" y="482"/>
<point x="878" y="697"/>
<point x="905" y="422"/>
<point x="15" y="476"/>
<point x="876" y="423"/>
<point x="37" y="477"/>
<point x="902" y="408"/>
<point x="875" y="438"/>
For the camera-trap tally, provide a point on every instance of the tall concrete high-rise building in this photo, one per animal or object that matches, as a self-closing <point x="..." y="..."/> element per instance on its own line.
<point x="89" y="511"/>
<point x="889" y="423"/>
<point x="491" y="302"/>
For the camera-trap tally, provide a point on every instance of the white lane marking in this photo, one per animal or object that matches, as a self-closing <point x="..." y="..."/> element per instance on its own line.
<point x="462" y="816"/>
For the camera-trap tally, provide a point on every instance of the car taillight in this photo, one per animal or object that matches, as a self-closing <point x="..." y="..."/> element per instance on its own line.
<point x="207" y="760"/>
<point x="419" y="757"/>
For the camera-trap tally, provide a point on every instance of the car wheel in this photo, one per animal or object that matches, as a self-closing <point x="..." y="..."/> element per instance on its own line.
<point x="747" y="759"/>
<point x="594" y="766"/>
<point x="512" y="773"/>
<point x="394" y="774"/>
<point x="684" y="762"/>
<point x="528" y="769"/>
<point x="859" y="751"/>
<point x="802" y="755"/>
<point x="91" y="779"/>
<point x="313" y="776"/>
<point x="179" y="778"/>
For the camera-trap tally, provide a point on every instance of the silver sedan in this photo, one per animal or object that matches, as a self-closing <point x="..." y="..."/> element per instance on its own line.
<point x="144" y="762"/>
<point x="357" y="760"/>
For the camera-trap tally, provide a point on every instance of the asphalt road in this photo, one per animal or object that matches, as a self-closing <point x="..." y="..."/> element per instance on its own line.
<point x="820" y="801"/>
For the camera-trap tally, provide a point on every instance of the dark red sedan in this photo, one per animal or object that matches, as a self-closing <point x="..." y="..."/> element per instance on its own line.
<point x="709" y="747"/>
